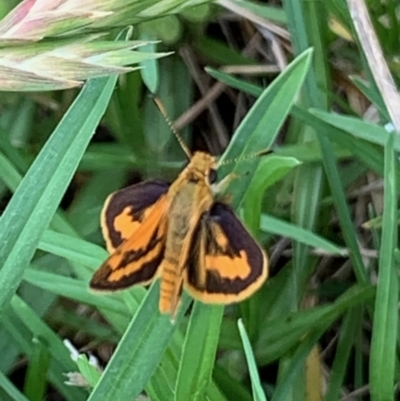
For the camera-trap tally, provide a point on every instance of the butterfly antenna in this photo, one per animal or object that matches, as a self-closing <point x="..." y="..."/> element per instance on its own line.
<point x="171" y="126"/>
<point x="246" y="157"/>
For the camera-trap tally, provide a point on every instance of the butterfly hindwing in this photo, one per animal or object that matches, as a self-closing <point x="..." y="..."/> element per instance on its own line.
<point x="137" y="259"/>
<point x="226" y="264"/>
<point x="125" y="210"/>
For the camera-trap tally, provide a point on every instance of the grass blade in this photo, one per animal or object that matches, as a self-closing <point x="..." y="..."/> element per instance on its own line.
<point x="139" y="352"/>
<point x="258" y="392"/>
<point x="347" y="335"/>
<point x="263" y="122"/>
<point x="295" y="366"/>
<point x="199" y="352"/>
<point x="10" y="389"/>
<point x="36" y="199"/>
<point x="280" y="227"/>
<point x="384" y="332"/>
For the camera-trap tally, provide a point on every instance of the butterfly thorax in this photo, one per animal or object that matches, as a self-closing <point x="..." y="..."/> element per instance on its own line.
<point x="189" y="196"/>
<point x="199" y="167"/>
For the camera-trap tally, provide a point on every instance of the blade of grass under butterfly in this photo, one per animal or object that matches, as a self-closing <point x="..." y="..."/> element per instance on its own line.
<point x="139" y="352"/>
<point x="199" y="351"/>
<point x="36" y="199"/>
<point x="258" y="392"/>
<point x="74" y="289"/>
<point x="384" y="331"/>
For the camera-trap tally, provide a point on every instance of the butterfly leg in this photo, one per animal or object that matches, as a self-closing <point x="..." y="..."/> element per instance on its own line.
<point x="221" y="186"/>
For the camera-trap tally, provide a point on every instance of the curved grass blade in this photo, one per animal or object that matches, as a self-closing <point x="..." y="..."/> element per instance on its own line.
<point x="261" y="125"/>
<point x="39" y="329"/>
<point x="283" y="335"/>
<point x="270" y="170"/>
<point x="358" y="128"/>
<point x="283" y="228"/>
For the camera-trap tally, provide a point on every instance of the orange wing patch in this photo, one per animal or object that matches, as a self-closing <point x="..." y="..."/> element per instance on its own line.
<point x="228" y="267"/>
<point x="226" y="264"/>
<point x="137" y="259"/>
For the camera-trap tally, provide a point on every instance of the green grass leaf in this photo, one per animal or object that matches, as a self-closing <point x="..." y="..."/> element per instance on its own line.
<point x="270" y="170"/>
<point x="358" y="128"/>
<point x="280" y="227"/>
<point x="88" y="371"/>
<point x="283" y="334"/>
<point x="139" y="352"/>
<point x="35" y="201"/>
<point x="35" y="380"/>
<point x="199" y="351"/>
<point x="261" y="125"/>
<point x="258" y="392"/>
<point x="385" y="326"/>
<point x="340" y="364"/>
<point x="9" y="388"/>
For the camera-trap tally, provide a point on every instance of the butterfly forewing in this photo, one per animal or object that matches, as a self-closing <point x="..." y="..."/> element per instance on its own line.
<point x="226" y="264"/>
<point x="137" y="259"/>
<point x="124" y="211"/>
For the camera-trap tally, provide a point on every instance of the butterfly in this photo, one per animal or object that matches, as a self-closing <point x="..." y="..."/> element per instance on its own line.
<point x="182" y="235"/>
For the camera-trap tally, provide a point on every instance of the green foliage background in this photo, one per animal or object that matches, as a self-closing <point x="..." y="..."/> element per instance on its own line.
<point x="325" y="325"/>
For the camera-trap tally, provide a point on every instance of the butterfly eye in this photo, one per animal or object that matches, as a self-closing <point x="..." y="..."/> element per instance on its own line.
<point x="212" y="176"/>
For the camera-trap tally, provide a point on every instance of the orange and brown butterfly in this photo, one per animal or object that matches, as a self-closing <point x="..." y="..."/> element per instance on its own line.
<point x="182" y="235"/>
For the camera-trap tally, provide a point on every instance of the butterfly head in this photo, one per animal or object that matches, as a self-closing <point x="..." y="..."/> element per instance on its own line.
<point x="202" y="167"/>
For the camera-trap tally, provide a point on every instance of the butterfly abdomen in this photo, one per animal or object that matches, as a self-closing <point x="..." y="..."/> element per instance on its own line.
<point x="171" y="284"/>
